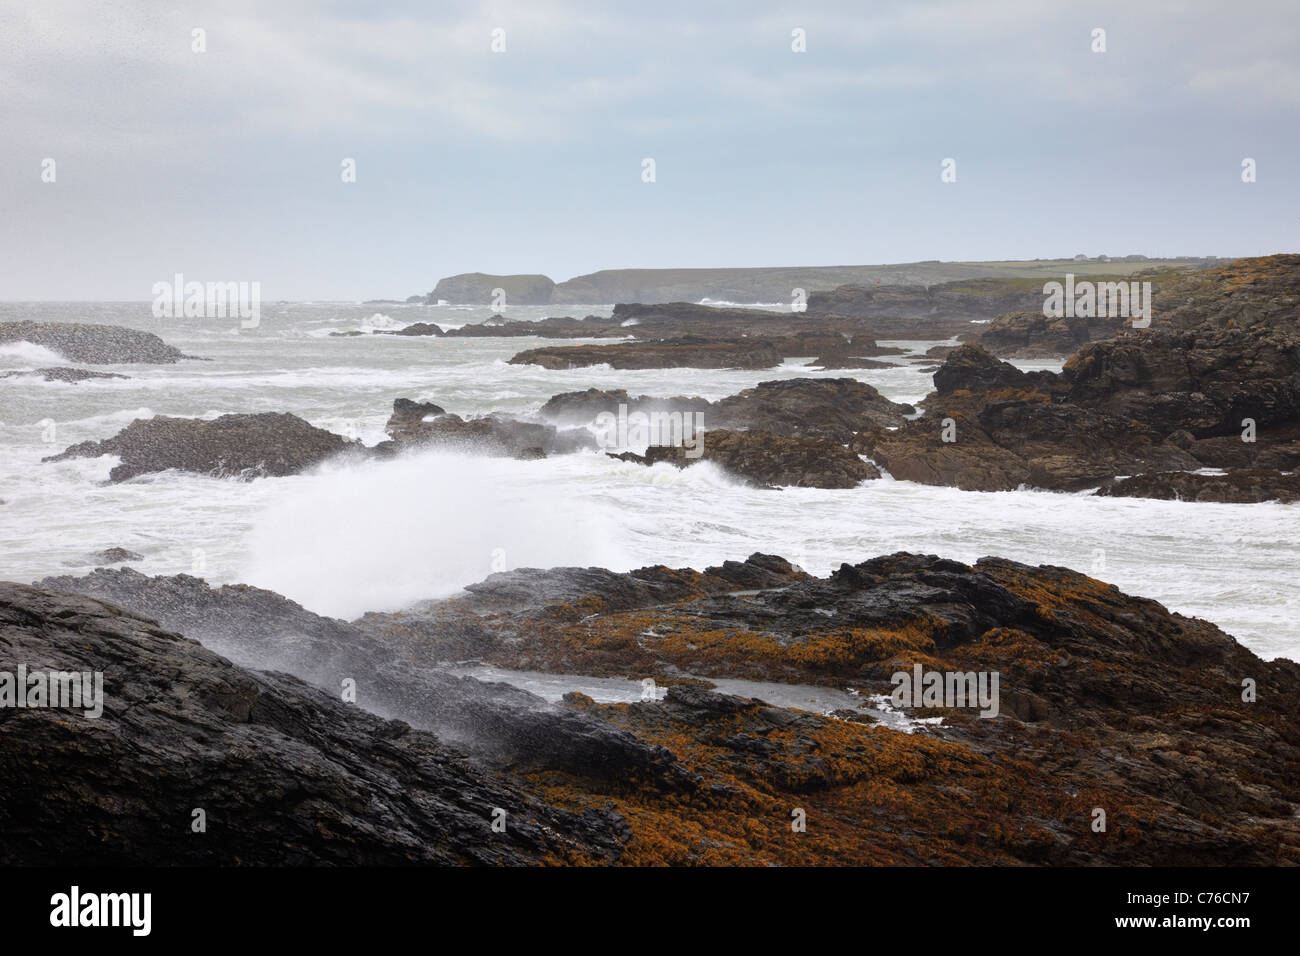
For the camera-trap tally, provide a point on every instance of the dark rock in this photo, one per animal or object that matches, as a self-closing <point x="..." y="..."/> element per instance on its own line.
<point x="92" y="344"/>
<point x="1244" y="485"/>
<point x="768" y="460"/>
<point x="115" y="556"/>
<point x="685" y="352"/>
<point x="245" y="446"/>
<point x="71" y="375"/>
<point x="286" y="773"/>
<point x="426" y="424"/>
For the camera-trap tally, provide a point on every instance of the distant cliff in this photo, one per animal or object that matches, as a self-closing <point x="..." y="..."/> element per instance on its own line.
<point x="774" y="284"/>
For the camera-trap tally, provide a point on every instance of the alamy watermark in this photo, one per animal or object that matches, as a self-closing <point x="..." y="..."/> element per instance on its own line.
<point x="1103" y="300"/>
<point x="71" y="690"/>
<point x="922" y="688"/>
<point x="179" y="299"/>
<point x="638" y="429"/>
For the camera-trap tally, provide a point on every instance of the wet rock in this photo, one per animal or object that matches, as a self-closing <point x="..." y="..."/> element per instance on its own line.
<point x="1244" y="485"/>
<point x="428" y="425"/>
<point x="767" y="460"/>
<point x="285" y="773"/>
<point x="114" y="556"/>
<point x="244" y="446"/>
<point x="70" y="375"/>
<point x="92" y="344"/>
<point x="834" y="408"/>
<point x="685" y="352"/>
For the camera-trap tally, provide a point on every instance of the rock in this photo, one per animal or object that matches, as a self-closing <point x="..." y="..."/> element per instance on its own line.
<point x="115" y="556"/>
<point x="1243" y="485"/>
<point x="1220" y="362"/>
<point x="71" y="375"/>
<point x="406" y="423"/>
<point x="246" y="446"/>
<point x="92" y="344"/>
<point x="833" y="408"/>
<point x="287" y="773"/>
<point x="1031" y="335"/>
<point x="767" y="460"/>
<point x="686" y="352"/>
<point x="397" y="675"/>
<point x="836" y="361"/>
<point x="477" y="288"/>
<point x="426" y="424"/>
<point x="1103" y="701"/>
<point x="415" y="328"/>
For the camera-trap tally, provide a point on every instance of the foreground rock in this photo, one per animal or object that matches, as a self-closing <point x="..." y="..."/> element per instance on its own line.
<point x="245" y="446"/>
<point x="686" y="352"/>
<point x="286" y="773"/>
<point x="92" y="344"/>
<point x="767" y="460"/>
<point x="1105" y="701"/>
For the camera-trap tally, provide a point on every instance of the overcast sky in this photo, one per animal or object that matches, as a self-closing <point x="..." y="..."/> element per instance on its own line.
<point x="225" y="165"/>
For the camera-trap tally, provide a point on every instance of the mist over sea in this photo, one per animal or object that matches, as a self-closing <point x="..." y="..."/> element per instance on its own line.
<point x="346" y="539"/>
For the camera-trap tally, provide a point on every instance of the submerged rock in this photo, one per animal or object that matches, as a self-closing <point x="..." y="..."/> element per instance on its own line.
<point x="70" y="375"/>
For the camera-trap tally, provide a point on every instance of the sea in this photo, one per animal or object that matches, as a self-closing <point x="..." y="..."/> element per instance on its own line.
<point x="352" y="537"/>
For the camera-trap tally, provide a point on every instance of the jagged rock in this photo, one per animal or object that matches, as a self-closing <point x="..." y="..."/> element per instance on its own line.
<point x="246" y="446"/>
<point x="833" y="408"/>
<point x="285" y="773"/>
<point x="768" y="460"/>
<point x="426" y="424"/>
<point x="1031" y="335"/>
<point x="1105" y="700"/>
<point x="1244" y="485"/>
<point x="92" y="344"/>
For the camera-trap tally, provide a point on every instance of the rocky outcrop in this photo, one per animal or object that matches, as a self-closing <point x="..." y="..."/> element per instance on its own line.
<point x="244" y="446"/>
<point x="70" y="375"/>
<point x="1031" y="335"/>
<point x="831" y="408"/>
<point x="1214" y="382"/>
<point x="284" y="773"/>
<point x="1238" y="487"/>
<point x="92" y="344"/>
<point x="990" y="427"/>
<point x="767" y="460"/>
<point x="1105" y="701"/>
<point x="429" y="425"/>
<point x="685" y="352"/>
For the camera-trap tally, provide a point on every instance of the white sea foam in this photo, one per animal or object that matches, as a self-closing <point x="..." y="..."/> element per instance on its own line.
<point x="379" y="535"/>
<point x="24" y="355"/>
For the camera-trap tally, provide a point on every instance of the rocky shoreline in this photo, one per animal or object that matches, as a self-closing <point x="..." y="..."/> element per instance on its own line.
<point x="1107" y="702"/>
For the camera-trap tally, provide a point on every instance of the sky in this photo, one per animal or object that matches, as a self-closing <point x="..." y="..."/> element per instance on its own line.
<point x="227" y="164"/>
